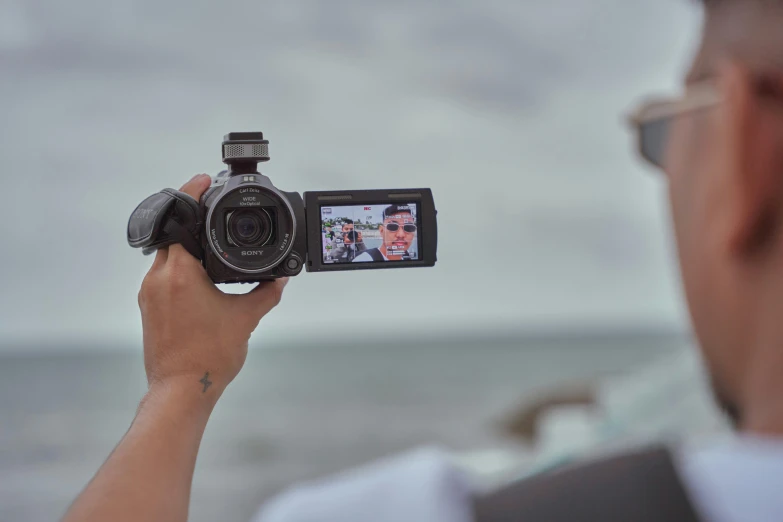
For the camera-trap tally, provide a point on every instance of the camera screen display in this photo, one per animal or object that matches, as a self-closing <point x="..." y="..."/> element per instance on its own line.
<point x="374" y="233"/>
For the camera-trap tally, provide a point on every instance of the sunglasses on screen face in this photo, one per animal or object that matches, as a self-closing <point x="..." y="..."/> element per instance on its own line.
<point x="653" y="120"/>
<point x="394" y="227"/>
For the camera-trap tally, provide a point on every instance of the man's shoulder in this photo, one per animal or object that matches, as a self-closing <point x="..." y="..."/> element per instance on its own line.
<point x="642" y="486"/>
<point x="419" y="485"/>
<point x="363" y="257"/>
<point x="735" y="479"/>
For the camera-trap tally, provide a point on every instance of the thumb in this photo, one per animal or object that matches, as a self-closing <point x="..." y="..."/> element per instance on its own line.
<point x="260" y="300"/>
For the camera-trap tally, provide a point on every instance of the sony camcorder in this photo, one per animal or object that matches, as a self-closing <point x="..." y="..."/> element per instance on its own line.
<point x="245" y="229"/>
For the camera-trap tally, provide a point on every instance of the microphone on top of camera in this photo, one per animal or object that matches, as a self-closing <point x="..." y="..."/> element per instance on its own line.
<point x="245" y="147"/>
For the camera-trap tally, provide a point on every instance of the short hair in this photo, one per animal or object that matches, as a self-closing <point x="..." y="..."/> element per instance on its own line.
<point x="391" y="210"/>
<point x="709" y="4"/>
<point x="347" y="221"/>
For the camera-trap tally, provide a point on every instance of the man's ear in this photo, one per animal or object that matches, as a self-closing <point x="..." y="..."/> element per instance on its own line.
<point x="753" y="119"/>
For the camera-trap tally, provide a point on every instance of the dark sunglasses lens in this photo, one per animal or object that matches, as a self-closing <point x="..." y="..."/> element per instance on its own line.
<point x="654" y="136"/>
<point x="394" y="227"/>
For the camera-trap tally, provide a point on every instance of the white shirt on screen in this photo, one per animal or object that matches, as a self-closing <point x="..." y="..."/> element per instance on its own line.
<point x="367" y="258"/>
<point x="739" y="481"/>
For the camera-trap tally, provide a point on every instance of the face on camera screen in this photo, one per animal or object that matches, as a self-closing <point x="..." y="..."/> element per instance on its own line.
<point x="369" y="233"/>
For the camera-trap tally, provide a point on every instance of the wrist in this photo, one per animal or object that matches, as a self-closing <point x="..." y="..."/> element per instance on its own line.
<point x="187" y="393"/>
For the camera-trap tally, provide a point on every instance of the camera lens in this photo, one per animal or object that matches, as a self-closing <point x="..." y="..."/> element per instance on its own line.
<point x="352" y="235"/>
<point x="249" y="228"/>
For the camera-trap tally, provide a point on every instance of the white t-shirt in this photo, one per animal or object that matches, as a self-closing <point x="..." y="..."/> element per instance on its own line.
<point x="739" y="481"/>
<point x="736" y="481"/>
<point x="418" y="486"/>
<point x="364" y="257"/>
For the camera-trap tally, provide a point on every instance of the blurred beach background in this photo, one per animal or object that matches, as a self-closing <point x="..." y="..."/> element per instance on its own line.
<point x="555" y="260"/>
<point x="296" y="412"/>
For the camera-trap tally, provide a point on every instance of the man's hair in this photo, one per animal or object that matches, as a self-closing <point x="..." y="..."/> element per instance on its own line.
<point x="391" y="210"/>
<point x="715" y="3"/>
<point x="710" y="3"/>
<point x="347" y="221"/>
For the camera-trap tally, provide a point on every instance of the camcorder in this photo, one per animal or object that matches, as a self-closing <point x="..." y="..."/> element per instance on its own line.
<point x="351" y="236"/>
<point x="245" y="230"/>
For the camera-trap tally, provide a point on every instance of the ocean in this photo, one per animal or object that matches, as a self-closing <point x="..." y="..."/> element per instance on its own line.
<point x="294" y="413"/>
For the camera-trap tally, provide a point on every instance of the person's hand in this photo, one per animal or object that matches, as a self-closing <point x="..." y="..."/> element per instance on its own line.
<point x="193" y="333"/>
<point x="359" y="237"/>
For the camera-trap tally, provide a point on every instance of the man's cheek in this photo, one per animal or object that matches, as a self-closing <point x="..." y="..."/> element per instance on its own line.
<point x="681" y="175"/>
<point x="677" y="148"/>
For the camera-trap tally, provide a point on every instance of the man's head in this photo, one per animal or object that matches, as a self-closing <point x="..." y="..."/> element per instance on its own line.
<point x="328" y="228"/>
<point x="398" y="230"/>
<point x="348" y="237"/>
<point x="724" y="163"/>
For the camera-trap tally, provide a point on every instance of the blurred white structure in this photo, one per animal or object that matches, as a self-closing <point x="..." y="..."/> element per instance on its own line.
<point x="667" y="401"/>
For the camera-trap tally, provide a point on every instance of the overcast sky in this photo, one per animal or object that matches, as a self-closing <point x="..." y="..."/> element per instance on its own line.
<point x="511" y="111"/>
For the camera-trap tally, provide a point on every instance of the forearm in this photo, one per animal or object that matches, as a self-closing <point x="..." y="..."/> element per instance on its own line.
<point x="149" y="474"/>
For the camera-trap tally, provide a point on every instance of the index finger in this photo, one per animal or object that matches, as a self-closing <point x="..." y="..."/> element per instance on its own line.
<point x="197" y="185"/>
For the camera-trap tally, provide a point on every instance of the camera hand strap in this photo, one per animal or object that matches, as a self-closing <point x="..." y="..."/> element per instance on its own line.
<point x="163" y="219"/>
<point x="643" y="486"/>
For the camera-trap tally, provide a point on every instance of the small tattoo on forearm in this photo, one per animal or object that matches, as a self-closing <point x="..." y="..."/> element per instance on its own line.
<point x="206" y="382"/>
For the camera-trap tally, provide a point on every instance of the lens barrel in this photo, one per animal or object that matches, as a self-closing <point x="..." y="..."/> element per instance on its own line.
<point x="249" y="227"/>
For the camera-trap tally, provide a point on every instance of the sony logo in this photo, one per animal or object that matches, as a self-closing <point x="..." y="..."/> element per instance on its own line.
<point x="252" y="252"/>
<point x="143" y="213"/>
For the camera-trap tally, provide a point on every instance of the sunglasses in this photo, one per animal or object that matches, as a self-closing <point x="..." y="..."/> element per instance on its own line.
<point x="652" y="120"/>
<point x="394" y="227"/>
